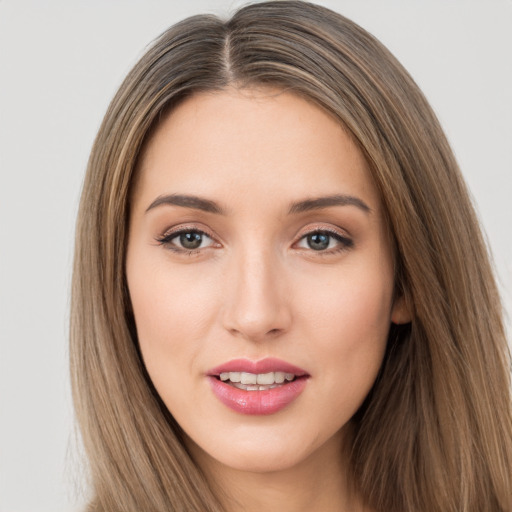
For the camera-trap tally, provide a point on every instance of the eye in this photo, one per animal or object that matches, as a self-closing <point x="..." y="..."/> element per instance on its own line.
<point x="325" y="241"/>
<point x="186" y="240"/>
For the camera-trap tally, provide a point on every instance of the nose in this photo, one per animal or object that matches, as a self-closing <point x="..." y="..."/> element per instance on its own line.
<point x="257" y="305"/>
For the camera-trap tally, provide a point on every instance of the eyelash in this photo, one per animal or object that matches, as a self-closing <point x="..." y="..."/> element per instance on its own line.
<point x="165" y="240"/>
<point x="344" y="243"/>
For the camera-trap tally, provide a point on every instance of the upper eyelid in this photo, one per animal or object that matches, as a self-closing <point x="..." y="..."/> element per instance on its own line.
<point x="323" y="228"/>
<point x="177" y="230"/>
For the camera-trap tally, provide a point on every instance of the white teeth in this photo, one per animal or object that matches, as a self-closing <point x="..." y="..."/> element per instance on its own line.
<point x="252" y="379"/>
<point x="279" y="377"/>
<point x="265" y="378"/>
<point x="252" y="387"/>
<point x="248" y="378"/>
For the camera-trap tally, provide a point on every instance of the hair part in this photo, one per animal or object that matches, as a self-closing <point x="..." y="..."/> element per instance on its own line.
<point x="435" y="433"/>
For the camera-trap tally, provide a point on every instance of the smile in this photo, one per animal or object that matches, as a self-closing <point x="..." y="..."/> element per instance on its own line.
<point x="256" y="382"/>
<point x="261" y="387"/>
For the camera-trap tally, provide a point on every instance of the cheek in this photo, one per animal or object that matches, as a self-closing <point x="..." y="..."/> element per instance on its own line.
<point x="172" y="309"/>
<point x="165" y="294"/>
<point x="350" y="306"/>
<point x="347" y="328"/>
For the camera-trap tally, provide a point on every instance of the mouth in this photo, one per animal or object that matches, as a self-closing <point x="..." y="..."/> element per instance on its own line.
<point x="256" y="382"/>
<point x="257" y="387"/>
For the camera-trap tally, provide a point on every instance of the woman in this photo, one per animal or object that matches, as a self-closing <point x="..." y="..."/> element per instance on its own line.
<point x="281" y="297"/>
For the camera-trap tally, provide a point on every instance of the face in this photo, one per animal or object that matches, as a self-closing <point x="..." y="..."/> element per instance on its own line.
<point x="260" y="275"/>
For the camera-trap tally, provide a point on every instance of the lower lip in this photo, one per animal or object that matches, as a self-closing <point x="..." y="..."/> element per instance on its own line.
<point x="268" y="401"/>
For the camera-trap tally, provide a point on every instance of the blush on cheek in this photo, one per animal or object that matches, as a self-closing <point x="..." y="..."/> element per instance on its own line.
<point x="361" y="309"/>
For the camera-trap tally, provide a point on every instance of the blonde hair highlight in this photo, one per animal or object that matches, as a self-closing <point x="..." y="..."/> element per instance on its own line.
<point x="435" y="433"/>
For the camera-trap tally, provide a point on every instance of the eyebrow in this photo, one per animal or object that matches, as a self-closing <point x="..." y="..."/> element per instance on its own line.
<point x="187" y="201"/>
<point x="206" y="205"/>
<point x="328" y="201"/>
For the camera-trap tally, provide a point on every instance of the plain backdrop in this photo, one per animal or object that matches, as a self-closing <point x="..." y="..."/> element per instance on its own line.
<point x="60" y="64"/>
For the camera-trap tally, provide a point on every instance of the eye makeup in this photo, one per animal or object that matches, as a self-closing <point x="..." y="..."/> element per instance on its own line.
<point x="190" y="240"/>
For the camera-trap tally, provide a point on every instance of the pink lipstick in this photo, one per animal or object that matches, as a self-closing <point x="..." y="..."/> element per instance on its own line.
<point x="257" y="387"/>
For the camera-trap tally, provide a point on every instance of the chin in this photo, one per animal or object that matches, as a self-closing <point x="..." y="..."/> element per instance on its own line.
<point x="259" y="452"/>
<point x="258" y="461"/>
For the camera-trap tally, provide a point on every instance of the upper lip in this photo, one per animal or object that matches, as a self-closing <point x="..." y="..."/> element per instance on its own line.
<point x="267" y="365"/>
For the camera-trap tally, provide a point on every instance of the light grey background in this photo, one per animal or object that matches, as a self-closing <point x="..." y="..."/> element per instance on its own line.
<point x="60" y="63"/>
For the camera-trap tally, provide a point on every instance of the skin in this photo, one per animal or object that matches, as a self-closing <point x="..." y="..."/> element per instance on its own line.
<point x="256" y="288"/>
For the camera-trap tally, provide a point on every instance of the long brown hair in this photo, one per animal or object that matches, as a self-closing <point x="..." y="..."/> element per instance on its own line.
<point x="435" y="433"/>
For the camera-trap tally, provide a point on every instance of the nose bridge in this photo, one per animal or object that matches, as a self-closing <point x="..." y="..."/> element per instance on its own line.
<point x="256" y="307"/>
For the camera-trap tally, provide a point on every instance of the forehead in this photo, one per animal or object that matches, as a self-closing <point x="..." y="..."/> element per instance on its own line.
<point x="251" y="142"/>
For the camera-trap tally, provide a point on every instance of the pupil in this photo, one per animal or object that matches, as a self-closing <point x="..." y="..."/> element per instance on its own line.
<point x="318" y="241"/>
<point x="191" y="240"/>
